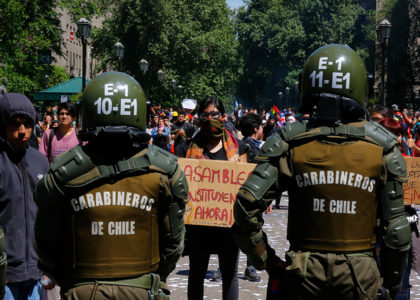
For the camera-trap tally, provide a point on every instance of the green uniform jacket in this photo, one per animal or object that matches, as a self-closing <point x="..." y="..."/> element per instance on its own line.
<point x="340" y="179"/>
<point x="110" y="221"/>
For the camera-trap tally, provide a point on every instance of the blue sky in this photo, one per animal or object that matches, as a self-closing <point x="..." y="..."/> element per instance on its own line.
<point x="234" y="3"/>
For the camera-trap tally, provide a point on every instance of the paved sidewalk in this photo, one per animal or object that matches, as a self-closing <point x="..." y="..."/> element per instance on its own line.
<point x="275" y="226"/>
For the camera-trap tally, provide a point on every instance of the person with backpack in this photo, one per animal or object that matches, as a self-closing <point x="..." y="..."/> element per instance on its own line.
<point x="63" y="138"/>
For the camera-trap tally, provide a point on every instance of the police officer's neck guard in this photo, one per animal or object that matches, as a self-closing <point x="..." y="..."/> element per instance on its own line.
<point x="331" y="108"/>
<point x="112" y="135"/>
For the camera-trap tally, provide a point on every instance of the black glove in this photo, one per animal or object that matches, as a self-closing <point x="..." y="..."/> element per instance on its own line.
<point x="382" y="294"/>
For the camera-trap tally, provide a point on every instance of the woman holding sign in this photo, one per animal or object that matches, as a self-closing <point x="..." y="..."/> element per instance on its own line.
<point x="213" y="141"/>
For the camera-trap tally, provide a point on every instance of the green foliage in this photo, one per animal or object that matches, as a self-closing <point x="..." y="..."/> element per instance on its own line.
<point x="29" y="31"/>
<point x="86" y="8"/>
<point x="57" y="75"/>
<point x="193" y="42"/>
<point x="75" y="98"/>
<point x="276" y="37"/>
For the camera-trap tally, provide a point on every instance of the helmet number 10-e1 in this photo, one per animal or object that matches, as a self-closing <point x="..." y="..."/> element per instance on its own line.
<point x="127" y="107"/>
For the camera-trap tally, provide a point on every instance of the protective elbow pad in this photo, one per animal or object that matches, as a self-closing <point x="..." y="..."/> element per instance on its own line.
<point x="394" y="253"/>
<point x="258" y="183"/>
<point x="252" y="245"/>
<point x="398" y="234"/>
<point x="392" y="203"/>
<point x="176" y="219"/>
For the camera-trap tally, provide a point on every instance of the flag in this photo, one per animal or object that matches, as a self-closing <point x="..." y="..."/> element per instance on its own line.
<point x="274" y="110"/>
<point x="236" y="104"/>
<point x="71" y="35"/>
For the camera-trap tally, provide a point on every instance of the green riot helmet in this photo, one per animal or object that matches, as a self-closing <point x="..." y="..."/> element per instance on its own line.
<point x="113" y="99"/>
<point x="333" y="84"/>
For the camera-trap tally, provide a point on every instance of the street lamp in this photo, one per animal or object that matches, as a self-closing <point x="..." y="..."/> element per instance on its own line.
<point x="3" y="87"/>
<point x="144" y="65"/>
<point x="119" y="52"/>
<point x="83" y="27"/>
<point x="47" y="78"/>
<point x="180" y="89"/>
<point x="160" y="75"/>
<point x="280" y="94"/>
<point x="383" y="32"/>
<point x="173" y="84"/>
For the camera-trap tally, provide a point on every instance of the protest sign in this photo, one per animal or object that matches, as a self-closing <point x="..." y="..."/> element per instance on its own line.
<point x="412" y="187"/>
<point x="213" y="185"/>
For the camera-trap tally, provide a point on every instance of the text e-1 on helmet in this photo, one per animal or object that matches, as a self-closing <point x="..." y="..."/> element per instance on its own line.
<point x="336" y="70"/>
<point x="113" y="99"/>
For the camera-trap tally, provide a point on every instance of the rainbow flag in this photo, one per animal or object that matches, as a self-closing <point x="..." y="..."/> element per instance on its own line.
<point x="274" y="110"/>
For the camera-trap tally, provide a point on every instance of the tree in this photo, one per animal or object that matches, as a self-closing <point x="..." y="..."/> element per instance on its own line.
<point x="193" y="42"/>
<point x="277" y="36"/>
<point x="29" y="31"/>
<point x="87" y="8"/>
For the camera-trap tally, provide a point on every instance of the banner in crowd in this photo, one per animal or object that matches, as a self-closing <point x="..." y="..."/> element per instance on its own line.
<point x="412" y="187"/>
<point x="213" y="185"/>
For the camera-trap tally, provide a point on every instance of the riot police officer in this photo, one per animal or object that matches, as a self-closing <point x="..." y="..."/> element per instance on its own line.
<point x="342" y="174"/>
<point x="110" y="218"/>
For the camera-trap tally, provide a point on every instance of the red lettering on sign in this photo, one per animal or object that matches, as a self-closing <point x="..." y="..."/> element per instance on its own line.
<point x="197" y="178"/>
<point x="215" y="213"/>
<point x="215" y="173"/>
<point x="411" y="195"/>
<point x="206" y="195"/>
<point x="206" y="176"/>
<point x="188" y="172"/>
<point x="240" y="180"/>
<point x="225" y="176"/>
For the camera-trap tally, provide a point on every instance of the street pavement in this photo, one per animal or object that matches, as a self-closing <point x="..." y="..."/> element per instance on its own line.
<point x="275" y="227"/>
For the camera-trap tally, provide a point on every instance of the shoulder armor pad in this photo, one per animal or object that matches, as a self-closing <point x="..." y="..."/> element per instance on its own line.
<point x="273" y="147"/>
<point x="395" y="164"/>
<point x="70" y="165"/>
<point x="289" y="131"/>
<point x="162" y="160"/>
<point x="179" y="184"/>
<point x="380" y="135"/>
<point x="167" y="163"/>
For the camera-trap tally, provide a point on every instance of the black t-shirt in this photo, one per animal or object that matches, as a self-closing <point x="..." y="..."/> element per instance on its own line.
<point x="187" y="127"/>
<point x="221" y="154"/>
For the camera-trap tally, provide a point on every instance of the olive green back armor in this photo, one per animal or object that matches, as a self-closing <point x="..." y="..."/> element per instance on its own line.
<point x="115" y="228"/>
<point x="112" y="211"/>
<point x="332" y="194"/>
<point x="282" y="167"/>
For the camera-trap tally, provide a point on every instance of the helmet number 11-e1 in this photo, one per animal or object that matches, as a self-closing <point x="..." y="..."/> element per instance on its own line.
<point x="338" y="78"/>
<point x="127" y="107"/>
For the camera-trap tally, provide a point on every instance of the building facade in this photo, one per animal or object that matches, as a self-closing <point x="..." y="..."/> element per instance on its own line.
<point x="72" y="59"/>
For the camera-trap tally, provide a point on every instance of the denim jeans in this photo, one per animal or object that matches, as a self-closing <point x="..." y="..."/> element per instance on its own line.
<point x="24" y="290"/>
<point x="404" y="293"/>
